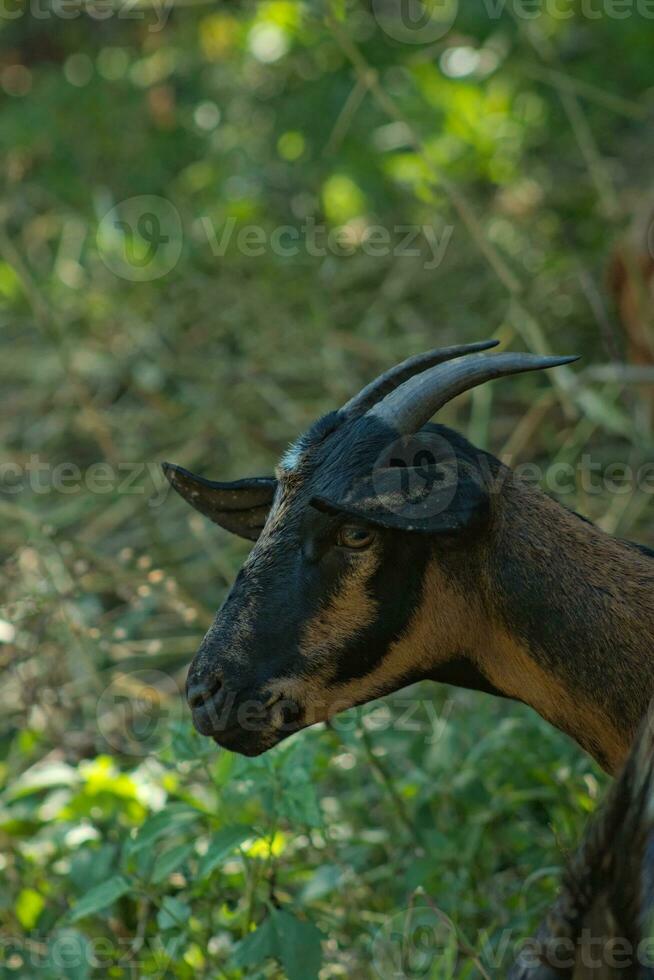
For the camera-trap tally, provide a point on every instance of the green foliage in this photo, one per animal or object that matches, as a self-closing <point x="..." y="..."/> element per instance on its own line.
<point x="294" y="943"/>
<point x="129" y="845"/>
<point x="99" y="897"/>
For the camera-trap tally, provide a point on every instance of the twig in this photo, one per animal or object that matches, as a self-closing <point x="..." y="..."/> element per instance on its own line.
<point x="559" y="80"/>
<point x="387" y="781"/>
<point x="345" y="117"/>
<point x="596" y="303"/>
<point x="583" y="134"/>
<point x="462" y="943"/>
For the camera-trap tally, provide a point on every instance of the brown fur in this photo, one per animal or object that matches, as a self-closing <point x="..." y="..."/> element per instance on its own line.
<point x="346" y="613"/>
<point x="592" y="673"/>
<point x="511" y="668"/>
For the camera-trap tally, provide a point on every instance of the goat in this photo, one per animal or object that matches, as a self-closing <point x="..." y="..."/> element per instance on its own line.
<point x="602" y="924"/>
<point x="389" y="550"/>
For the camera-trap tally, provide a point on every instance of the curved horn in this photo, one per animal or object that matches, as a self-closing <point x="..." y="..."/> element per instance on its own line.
<point x="389" y="380"/>
<point x="413" y="403"/>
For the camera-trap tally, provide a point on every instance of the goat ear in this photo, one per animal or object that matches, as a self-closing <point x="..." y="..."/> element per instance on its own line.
<point x="437" y="498"/>
<point x="240" y="507"/>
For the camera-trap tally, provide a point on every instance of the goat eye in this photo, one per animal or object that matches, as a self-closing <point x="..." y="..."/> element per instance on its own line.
<point x="354" y="536"/>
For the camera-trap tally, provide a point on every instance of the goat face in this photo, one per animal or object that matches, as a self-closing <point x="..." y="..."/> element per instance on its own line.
<point x="322" y="616"/>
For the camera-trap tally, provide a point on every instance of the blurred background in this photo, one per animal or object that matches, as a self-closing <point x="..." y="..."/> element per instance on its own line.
<point x="217" y="221"/>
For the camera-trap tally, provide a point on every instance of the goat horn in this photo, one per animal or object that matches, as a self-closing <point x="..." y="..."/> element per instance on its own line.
<point x="389" y="380"/>
<point x="412" y="404"/>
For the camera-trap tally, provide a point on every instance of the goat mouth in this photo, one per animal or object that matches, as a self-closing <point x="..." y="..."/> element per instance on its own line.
<point x="245" y="743"/>
<point x="222" y="716"/>
<point x="250" y="743"/>
<point x="252" y="739"/>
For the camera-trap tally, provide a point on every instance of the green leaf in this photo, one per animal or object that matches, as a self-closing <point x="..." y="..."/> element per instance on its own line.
<point x="90" y="866"/>
<point x="167" y="821"/>
<point x="173" y="914"/>
<point x="220" y="846"/>
<point x="603" y="411"/>
<point x="41" y="777"/>
<point x="296" y="944"/>
<point x="299" y="946"/>
<point x="168" y="861"/>
<point x="299" y="799"/>
<point x="165" y="950"/>
<point x="100" y="897"/>
<point x="299" y="802"/>
<point x="258" y="946"/>
<point x="222" y="768"/>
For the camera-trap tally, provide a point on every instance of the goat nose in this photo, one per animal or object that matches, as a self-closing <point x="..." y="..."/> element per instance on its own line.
<point x="199" y="691"/>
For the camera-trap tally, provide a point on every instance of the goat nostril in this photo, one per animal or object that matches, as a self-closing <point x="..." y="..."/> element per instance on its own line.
<point x="199" y="692"/>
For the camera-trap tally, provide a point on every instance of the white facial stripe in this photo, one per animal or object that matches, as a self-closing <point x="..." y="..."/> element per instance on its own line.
<point x="291" y="458"/>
